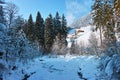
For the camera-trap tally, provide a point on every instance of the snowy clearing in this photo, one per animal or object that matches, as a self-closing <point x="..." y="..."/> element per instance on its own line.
<point x="60" y="68"/>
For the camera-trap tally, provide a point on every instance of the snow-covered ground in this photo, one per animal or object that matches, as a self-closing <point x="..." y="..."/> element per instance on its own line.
<point x="58" y="68"/>
<point x="68" y="67"/>
<point x="82" y="37"/>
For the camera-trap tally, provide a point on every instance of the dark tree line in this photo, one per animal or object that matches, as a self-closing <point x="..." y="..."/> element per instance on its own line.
<point x="46" y="32"/>
<point x="43" y="32"/>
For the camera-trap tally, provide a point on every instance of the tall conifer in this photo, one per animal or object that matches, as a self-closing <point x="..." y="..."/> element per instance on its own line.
<point x="30" y="29"/>
<point x="57" y="24"/>
<point x="48" y="34"/>
<point x="39" y="30"/>
<point x="98" y="16"/>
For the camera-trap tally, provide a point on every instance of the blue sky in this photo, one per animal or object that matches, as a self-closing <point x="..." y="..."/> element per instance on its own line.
<point x="73" y="9"/>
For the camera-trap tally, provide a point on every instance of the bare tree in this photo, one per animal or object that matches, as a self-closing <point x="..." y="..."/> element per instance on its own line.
<point x="11" y="11"/>
<point x="93" y="44"/>
<point x="74" y="48"/>
<point x="82" y="48"/>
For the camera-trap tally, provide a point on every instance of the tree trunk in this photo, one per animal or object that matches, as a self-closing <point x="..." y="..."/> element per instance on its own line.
<point x="100" y="35"/>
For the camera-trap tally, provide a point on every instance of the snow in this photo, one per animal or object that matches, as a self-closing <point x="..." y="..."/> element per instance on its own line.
<point x="67" y="67"/>
<point x="82" y="37"/>
<point x="85" y="35"/>
<point x="109" y="68"/>
<point x="2" y="26"/>
<point x="112" y="65"/>
<point x="59" y="68"/>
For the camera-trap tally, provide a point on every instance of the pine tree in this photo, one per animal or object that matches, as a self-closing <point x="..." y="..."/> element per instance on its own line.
<point x="48" y="34"/>
<point x="107" y="12"/>
<point x="25" y="27"/>
<point x="117" y="13"/>
<point x="109" y="24"/>
<point x="54" y="28"/>
<point x="39" y="30"/>
<point x="61" y="34"/>
<point x="98" y="16"/>
<point x="103" y="18"/>
<point x="30" y="29"/>
<point x="64" y="26"/>
<point x="63" y="31"/>
<point x="117" y="8"/>
<point x="57" y="24"/>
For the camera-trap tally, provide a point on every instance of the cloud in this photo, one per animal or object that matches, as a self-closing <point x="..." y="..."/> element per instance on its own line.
<point x="75" y="9"/>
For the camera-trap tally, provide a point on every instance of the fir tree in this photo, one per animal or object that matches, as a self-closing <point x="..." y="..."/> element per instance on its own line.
<point x="104" y="20"/>
<point x="60" y="42"/>
<point x="98" y="16"/>
<point x="107" y="12"/>
<point x="57" y="24"/>
<point x="109" y="23"/>
<point x="64" y="26"/>
<point x="54" y="28"/>
<point x="117" y="8"/>
<point x="25" y="27"/>
<point x="117" y="13"/>
<point x="63" y="31"/>
<point x="48" y="34"/>
<point x="39" y="30"/>
<point x="30" y="29"/>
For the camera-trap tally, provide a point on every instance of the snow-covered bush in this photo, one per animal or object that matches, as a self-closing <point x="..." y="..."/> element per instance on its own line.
<point x="22" y="47"/>
<point x="93" y="44"/>
<point x="59" y="47"/>
<point x="15" y="45"/>
<point x="110" y="67"/>
<point x="15" y="48"/>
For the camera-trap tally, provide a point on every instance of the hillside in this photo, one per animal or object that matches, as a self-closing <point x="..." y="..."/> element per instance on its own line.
<point x="83" y="22"/>
<point x="82" y="37"/>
